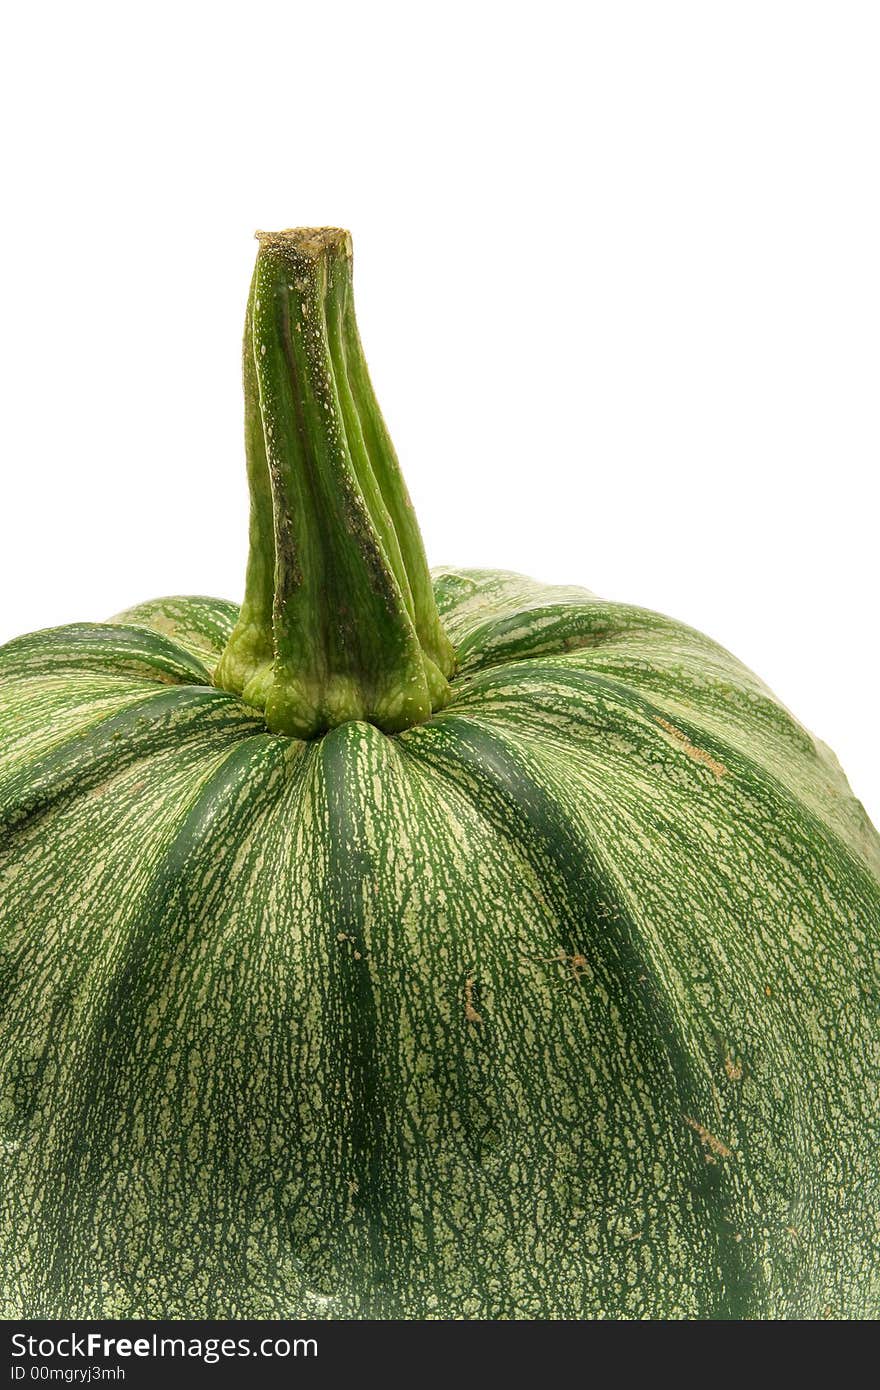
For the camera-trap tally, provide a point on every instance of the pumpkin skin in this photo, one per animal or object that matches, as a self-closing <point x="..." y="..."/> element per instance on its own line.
<point x="560" y="1004"/>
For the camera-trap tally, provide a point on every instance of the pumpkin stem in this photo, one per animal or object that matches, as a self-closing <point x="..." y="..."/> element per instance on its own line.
<point x="339" y="620"/>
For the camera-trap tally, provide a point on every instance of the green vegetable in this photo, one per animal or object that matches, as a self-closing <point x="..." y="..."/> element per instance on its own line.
<point x="400" y="946"/>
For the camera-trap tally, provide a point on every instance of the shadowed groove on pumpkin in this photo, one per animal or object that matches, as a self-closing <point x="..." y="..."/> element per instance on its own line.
<point x="409" y="945"/>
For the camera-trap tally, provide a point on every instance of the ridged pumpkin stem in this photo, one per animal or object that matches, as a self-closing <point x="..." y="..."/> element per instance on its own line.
<point x="339" y="620"/>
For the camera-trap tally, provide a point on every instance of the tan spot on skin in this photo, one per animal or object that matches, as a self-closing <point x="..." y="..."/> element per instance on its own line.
<point x="697" y="755"/>
<point x="734" y="1069"/>
<point x="577" y="963"/>
<point x="162" y="623"/>
<point x="342" y="937"/>
<point x="470" y="1012"/>
<point x="715" y="1146"/>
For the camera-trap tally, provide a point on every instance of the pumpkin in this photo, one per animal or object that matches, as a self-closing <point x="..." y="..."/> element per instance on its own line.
<point x="411" y="945"/>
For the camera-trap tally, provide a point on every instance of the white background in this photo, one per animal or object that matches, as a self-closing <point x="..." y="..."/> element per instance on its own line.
<point x="618" y="277"/>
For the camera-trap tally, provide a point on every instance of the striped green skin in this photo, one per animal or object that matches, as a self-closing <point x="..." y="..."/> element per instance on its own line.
<point x="561" y="1004"/>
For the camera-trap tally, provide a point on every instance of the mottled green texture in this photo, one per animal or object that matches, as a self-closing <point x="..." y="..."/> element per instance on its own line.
<point x="339" y="620"/>
<point x="560" y="1004"/>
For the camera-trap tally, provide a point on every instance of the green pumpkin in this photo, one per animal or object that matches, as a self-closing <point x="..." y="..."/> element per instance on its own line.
<point x="411" y="946"/>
